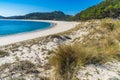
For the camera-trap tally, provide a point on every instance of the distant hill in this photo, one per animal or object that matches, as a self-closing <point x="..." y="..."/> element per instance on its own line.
<point x="107" y="8"/>
<point x="1" y="17"/>
<point x="56" y="15"/>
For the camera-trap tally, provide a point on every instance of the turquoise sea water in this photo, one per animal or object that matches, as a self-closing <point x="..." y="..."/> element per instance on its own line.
<point x="9" y="27"/>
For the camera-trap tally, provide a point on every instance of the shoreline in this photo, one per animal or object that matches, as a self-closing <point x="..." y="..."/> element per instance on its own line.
<point x="51" y="25"/>
<point x="57" y="27"/>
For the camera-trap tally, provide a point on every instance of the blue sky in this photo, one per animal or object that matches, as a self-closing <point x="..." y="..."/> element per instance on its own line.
<point x="21" y="7"/>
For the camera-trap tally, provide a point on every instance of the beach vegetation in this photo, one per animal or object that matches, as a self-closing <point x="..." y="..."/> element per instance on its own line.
<point x="68" y="58"/>
<point x="3" y="53"/>
<point x="23" y="65"/>
<point x="4" y="66"/>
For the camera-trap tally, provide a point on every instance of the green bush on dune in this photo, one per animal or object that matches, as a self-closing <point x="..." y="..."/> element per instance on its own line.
<point x="3" y="54"/>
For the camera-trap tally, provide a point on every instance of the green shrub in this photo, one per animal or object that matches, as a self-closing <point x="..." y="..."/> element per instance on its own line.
<point x="3" y="54"/>
<point x="23" y="65"/>
<point x="4" y="66"/>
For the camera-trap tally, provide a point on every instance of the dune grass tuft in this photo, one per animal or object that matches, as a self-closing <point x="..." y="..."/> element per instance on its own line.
<point x="67" y="59"/>
<point x="3" y="54"/>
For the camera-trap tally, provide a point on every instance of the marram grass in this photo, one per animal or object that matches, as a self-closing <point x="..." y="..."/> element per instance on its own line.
<point x="67" y="59"/>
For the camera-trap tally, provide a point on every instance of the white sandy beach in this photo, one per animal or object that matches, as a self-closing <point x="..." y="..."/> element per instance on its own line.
<point x="60" y="26"/>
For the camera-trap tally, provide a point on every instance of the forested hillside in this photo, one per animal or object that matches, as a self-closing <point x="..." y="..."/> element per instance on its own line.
<point x="56" y="15"/>
<point x="107" y="8"/>
<point x="1" y="17"/>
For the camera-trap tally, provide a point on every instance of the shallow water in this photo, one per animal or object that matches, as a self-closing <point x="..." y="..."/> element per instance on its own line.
<point x="9" y="27"/>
